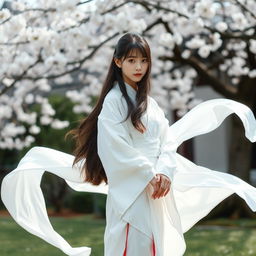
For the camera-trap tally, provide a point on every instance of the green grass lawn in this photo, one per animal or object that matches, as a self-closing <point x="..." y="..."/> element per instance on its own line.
<point x="237" y="239"/>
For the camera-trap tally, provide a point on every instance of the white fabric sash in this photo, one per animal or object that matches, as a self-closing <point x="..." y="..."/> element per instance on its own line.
<point x="196" y="189"/>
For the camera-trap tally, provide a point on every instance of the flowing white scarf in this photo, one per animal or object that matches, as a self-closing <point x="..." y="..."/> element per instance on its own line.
<point x="196" y="189"/>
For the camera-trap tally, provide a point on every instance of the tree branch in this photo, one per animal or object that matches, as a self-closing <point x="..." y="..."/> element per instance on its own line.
<point x="227" y="90"/>
<point x="17" y="78"/>
<point x="245" y="8"/>
<point x="17" y="43"/>
<point x="80" y="63"/>
<point x="85" y="2"/>
<point x="156" y="22"/>
<point x="225" y="35"/>
<point x="251" y="57"/>
<point x="83" y="21"/>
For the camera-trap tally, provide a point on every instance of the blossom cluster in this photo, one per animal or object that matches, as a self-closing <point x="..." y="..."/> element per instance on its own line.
<point x="49" y="44"/>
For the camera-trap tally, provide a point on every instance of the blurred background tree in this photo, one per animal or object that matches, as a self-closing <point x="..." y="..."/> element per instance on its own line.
<point x="67" y="45"/>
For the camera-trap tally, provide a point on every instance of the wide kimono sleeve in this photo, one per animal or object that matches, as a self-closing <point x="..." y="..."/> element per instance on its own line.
<point x="166" y="163"/>
<point x="127" y="170"/>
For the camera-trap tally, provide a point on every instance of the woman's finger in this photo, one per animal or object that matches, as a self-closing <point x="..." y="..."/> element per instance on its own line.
<point x="165" y="186"/>
<point x="161" y="189"/>
<point x="167" y="191"/>
<point x="156" y="186"/>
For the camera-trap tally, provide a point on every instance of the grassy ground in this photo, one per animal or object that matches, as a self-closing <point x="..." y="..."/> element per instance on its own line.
<point x="236" y="238"/>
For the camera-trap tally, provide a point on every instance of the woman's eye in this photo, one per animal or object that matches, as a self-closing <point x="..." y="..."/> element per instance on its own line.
<point x="132" y="60"/>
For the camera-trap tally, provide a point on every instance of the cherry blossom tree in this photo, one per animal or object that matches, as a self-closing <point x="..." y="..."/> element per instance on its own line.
<point x="47" y="44"/>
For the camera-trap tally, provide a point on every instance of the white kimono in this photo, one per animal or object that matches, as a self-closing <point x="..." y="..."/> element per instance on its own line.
<point x="135" y="160"/>
<point x="131" y="160"/>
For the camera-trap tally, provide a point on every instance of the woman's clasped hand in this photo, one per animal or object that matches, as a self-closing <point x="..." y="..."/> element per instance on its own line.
<point x="161" y="185"/>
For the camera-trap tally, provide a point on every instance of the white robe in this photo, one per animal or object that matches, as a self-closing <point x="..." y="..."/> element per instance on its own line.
<point x="131" y="160"/>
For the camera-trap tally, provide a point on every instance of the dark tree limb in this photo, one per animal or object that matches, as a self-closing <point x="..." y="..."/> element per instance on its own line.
<point x="224" y="35"/>
<point x="245" y="8"/>
<point x="228" y="91"/>
<point x="17" y="78"/>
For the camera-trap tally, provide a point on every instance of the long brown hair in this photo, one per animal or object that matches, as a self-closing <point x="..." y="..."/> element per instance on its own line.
<point x="85" y="134"/>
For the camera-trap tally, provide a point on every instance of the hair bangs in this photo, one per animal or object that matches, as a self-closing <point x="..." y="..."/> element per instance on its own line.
<point x="134" y="49"/>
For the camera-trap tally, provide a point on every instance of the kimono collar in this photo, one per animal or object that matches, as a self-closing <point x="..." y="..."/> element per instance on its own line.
<point x="130" y="91"/>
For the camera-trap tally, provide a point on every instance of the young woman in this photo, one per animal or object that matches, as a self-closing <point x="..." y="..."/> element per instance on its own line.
<point x="154" y="195"/>
<point x="125" y="141"/>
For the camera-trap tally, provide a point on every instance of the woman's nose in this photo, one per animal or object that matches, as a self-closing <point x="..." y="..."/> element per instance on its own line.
<point x="138" y="66"/>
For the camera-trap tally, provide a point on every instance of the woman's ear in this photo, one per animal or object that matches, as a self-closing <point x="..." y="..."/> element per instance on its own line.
<point x="118" y="62"/>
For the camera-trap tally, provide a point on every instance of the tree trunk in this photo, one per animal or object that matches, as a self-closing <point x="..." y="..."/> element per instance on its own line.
<point x="240" y="154"/>
<point x="58" y="198"/>
<point x="240" y="149"/>
<point x="55" y="191"/>
<point x="186" y="148"/>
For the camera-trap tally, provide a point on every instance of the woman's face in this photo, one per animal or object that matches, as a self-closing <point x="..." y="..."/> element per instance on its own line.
<point x="134" y="64"/>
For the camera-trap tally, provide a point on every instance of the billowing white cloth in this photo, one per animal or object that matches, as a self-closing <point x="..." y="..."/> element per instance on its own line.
<point x="195" y="190"/>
